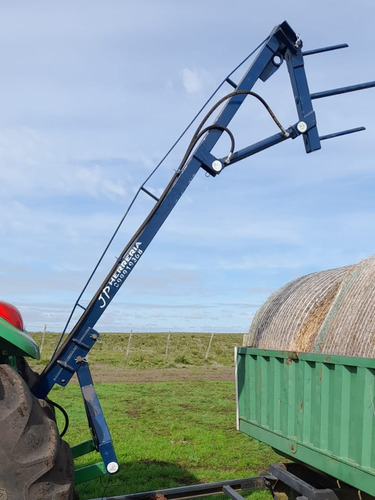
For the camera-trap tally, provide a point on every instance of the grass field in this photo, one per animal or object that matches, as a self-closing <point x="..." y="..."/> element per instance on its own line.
<point x="147" y="350"/>
<point x="166" y="432"/>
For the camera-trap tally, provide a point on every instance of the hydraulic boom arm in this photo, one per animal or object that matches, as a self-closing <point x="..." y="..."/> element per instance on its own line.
<point x="283" y="44"/>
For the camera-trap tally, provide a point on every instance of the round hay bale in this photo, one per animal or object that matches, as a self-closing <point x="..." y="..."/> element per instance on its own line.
<point x="329" y="312"/>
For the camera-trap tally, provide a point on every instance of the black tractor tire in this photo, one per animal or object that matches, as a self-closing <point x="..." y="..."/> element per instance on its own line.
<point x="35" y="463"/>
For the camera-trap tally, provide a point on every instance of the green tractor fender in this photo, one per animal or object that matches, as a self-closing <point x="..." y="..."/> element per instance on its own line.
<point x="14" y="340"/>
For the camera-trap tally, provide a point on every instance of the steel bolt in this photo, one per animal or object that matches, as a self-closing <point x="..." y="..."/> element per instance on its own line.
<point x="301" y="127"/>
<point x="112" y="467"/>
<point x="217" y="166"/>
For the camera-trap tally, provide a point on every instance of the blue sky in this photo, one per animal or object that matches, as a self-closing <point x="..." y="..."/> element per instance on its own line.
<point x="94" y="93"/>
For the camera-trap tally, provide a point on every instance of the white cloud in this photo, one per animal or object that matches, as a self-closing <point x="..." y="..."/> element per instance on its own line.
<point x="88" y="101"/>
<point x="34" y="165"/>
<point x="94" y="181"/>
<point x="192" y="80"/>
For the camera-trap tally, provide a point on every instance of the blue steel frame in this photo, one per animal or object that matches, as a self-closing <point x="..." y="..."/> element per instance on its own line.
<point x="283" y="44"/>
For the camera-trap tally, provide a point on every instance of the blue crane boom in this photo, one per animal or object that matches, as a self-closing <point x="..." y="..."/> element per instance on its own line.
<point x="283" y="44"/>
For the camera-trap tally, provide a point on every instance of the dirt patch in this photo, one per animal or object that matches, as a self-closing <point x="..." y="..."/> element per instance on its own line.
<point x="103" y="373"/>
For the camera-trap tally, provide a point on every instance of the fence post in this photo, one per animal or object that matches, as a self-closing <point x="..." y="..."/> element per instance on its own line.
<point x="43" y="339"/>
<point x="167" y="347"/>
<point x="209" y="347"/>
<point x="128" y="346"/>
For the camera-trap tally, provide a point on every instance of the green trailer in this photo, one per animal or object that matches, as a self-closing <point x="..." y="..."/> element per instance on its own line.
<point x="314" y="409"/>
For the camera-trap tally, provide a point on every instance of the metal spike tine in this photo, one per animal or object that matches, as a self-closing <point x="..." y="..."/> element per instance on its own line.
<point x="342" y="90"/>
<point x="324" y="49"/>
<point x="343" y="132"/>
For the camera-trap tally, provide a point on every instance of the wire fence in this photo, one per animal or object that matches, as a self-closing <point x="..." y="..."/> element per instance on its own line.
<point x="153" y="349"/>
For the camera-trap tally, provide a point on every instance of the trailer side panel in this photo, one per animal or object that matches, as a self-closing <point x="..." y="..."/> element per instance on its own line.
<point x="314" y="408"/>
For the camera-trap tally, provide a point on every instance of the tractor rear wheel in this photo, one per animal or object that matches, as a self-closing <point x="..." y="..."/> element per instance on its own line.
<point x="35" y="463"/>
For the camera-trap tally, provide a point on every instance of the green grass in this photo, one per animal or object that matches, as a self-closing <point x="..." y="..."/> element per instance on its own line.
<point x="149" y="350"/>
<point x="167" y="434"/>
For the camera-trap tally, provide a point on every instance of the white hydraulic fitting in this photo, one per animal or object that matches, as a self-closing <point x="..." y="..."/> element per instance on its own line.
<point x="227" y="159"/>
<point x="217" y="166"/>
<point x="112" y="467"/>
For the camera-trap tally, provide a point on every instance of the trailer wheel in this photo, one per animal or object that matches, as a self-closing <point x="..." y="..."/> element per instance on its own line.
<point x="35" y="463"/>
